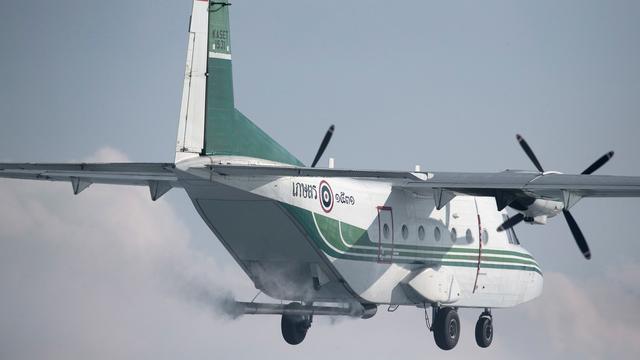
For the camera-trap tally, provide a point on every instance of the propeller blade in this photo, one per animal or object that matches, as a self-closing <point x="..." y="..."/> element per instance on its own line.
<point x="596" y="165"/>
<point x="577" y="234"/>
<point x="323" y="145"/>
<point x="529" y="152"/>
<point x="511" y="222"/>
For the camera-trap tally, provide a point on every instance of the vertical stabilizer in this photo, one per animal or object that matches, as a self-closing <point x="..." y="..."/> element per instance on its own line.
<point x="209" y="122"/>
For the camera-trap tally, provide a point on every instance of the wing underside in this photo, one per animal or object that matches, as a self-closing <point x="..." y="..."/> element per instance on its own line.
<point x="545" y="186"/>
<point x="550" y="186"/>
<point x="159" y="177"/>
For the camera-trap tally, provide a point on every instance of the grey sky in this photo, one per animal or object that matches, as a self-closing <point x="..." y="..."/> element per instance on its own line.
<point x="442" y="84"/>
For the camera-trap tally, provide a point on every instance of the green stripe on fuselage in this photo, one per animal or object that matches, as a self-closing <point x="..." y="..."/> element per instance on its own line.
<point x="358" y="246"/>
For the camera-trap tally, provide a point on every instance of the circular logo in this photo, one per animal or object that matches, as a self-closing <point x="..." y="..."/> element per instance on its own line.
<point x="326" y="196"/>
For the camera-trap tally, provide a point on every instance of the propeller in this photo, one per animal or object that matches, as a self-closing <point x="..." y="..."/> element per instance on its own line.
<point x="323" y="145"/>
<point x="529" y="152"/>
<point x="511" y="222"/>
<point x="573" y="225"/>
<point x="577" y="234"/>
<point x="598" y="163"/>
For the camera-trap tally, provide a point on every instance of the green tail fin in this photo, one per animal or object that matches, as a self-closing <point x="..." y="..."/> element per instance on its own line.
<point x="226" y="130"/>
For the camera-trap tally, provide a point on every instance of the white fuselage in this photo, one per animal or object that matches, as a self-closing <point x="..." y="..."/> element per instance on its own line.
<point x="344" y="239"/>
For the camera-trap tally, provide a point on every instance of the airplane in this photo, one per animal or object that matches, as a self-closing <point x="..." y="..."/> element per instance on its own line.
<point x="343" y="242"/>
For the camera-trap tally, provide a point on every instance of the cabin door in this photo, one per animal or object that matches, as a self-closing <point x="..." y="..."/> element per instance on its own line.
<point x="385" y="234"/>
<point x="479" y="279"/>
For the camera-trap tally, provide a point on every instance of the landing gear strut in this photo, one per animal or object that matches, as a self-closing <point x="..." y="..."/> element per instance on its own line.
<point x="484" y="329"/>
<point x="446" y="328"/>
<point x="294" y="327"/>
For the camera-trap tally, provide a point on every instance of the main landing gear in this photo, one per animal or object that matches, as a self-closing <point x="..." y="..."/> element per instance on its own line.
<point x="294" y="327"/>
<point x="297" y="317"/>
<point x="446" y="328"/>
<point x="484" y="329"/>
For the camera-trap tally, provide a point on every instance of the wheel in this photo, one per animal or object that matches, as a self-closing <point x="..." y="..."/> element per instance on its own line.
<point x="446" y="328"/>
<point x="294" y="327"/>
<point x="484" y="331"/>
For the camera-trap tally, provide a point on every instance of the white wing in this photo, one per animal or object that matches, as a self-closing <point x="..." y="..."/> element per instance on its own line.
<point x="544" y="186"/>
<point x="159" y="177"/>
<point x="551" y="186"/>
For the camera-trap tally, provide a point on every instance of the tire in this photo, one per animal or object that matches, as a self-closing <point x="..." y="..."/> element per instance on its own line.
<point x="484" y="331"/>
<point x="447" y="328"/>
<point x="294" y="327"/>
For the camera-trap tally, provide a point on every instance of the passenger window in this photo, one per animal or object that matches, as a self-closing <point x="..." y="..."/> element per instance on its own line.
<point x="421" y="232"/>
<point x="469" y="236"/>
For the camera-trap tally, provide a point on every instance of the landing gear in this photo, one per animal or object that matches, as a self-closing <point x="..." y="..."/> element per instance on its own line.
<point x="294" y="327"/>
<point x="484" y="329"/>
<point x="446" y="328"/>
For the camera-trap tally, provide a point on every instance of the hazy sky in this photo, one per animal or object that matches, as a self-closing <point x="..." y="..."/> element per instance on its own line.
<point x="446" y="85"/>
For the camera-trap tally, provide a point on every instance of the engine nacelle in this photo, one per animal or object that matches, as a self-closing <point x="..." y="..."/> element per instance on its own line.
<point x="538" y="211"/>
